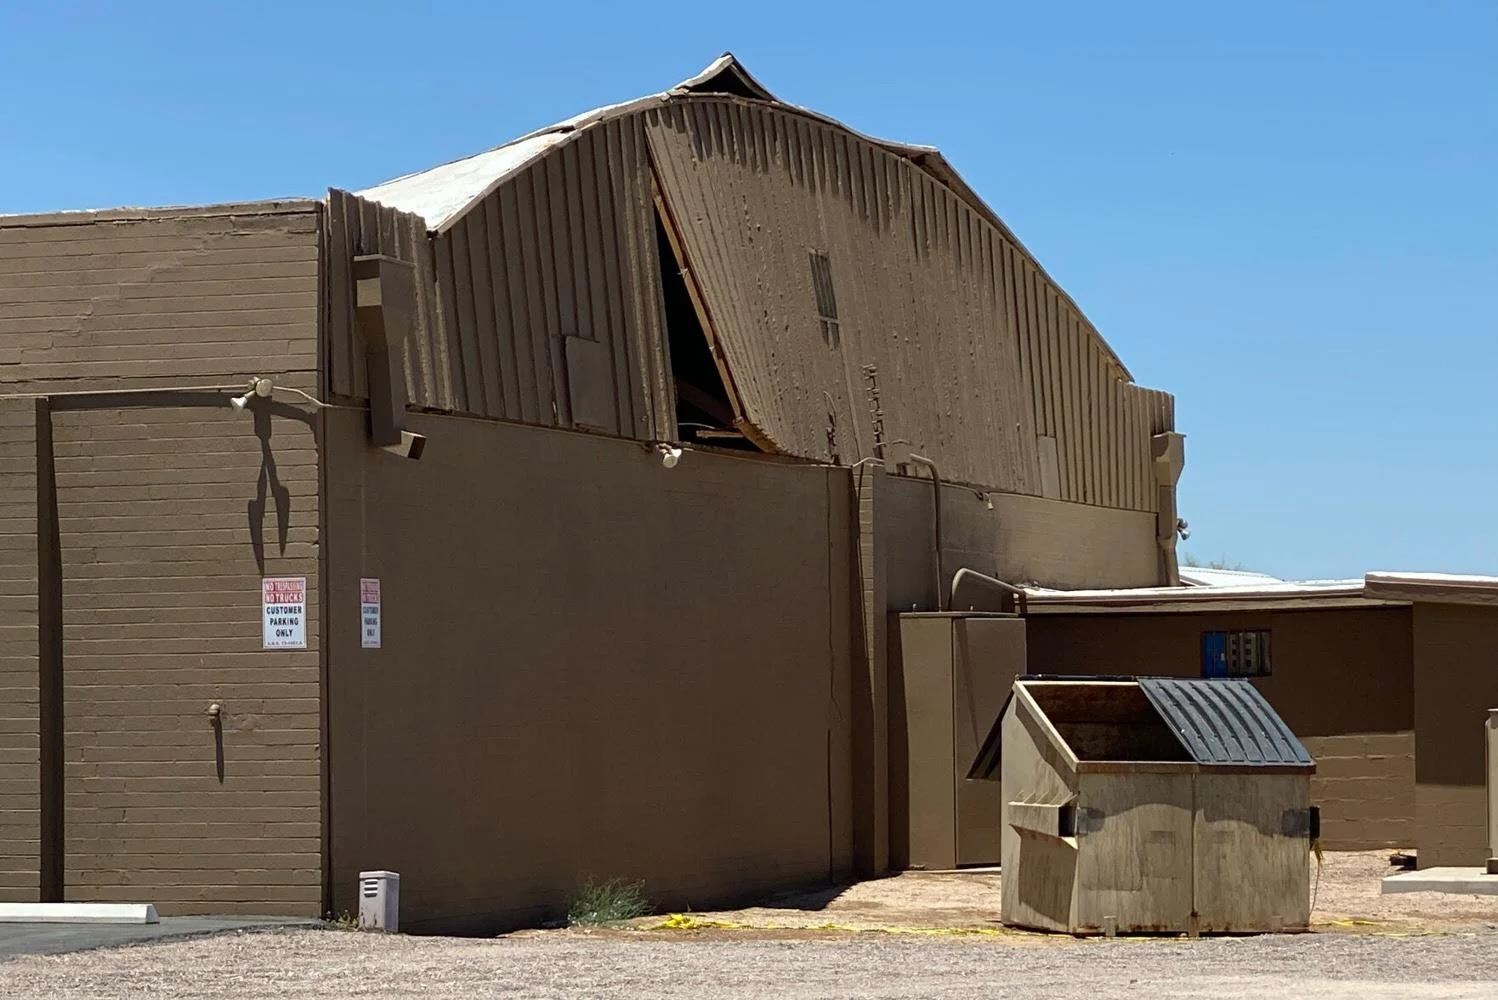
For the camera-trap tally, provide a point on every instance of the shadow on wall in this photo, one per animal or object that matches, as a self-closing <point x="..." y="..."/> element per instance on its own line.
<point x="269" y="487"/>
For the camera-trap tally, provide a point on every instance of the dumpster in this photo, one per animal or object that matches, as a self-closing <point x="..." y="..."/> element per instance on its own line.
<point x="1150" y="804"/>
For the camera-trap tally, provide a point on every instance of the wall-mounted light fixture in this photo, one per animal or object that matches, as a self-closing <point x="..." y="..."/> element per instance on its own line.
<point x="670" y="454"/>
<point x="263" y="388"/>
<point x="259" y="388"/>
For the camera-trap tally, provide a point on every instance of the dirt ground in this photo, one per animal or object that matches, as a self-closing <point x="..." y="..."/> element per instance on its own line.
<point x="1345" y="895"/>
<point x="917" y="935"/>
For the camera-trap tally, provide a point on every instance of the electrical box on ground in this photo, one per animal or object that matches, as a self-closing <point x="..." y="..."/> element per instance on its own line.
<point x="379" y="901"/>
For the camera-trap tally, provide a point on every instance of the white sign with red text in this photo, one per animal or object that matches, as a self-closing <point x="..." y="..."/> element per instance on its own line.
<point x="283" y="603"/>
<point x="369" y="613"/>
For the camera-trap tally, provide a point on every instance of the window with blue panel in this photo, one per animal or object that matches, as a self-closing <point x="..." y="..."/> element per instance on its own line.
<point x="1236" y="653"/>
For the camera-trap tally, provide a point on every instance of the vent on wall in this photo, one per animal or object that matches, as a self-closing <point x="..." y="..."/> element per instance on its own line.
<point x="1236" y="654"/>
<point x="821" y="283"/>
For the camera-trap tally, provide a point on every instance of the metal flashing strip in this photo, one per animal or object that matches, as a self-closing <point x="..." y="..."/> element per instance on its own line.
<point x="1225" y="722"/>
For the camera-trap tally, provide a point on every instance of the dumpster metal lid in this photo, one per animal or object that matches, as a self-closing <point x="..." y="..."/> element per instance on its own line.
<point x="1224" y="721"/>
<point x="1220" y="721"/>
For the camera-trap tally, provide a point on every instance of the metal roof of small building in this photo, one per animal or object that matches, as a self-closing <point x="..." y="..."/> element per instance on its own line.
<point x="1224" y="721"/>
<point x="1208" y="576"/>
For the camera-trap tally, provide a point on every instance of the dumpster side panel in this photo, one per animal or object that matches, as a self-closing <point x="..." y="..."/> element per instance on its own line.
<point x="1134" y="830"/>
<point x="1253" y="852"/>
<point x="1039" y="871"/>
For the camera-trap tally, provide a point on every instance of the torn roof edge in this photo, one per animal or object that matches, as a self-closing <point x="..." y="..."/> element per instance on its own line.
<point x="1374" y="589"/>
<point x="926" y="158"/>
<point x="726" y="64"/>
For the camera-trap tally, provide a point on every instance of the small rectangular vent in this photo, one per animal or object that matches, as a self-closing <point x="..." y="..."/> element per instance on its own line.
<point x="1236" y="654"/>
<point x="821" y="283"/>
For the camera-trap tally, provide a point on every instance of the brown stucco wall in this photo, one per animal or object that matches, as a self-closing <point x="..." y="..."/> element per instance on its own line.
<point x="1023" y="539"/>
<point x="169" y="508"/>
<point x="1343" y="681"/>
<point x="592" y="666"/>
<point x="1456" y="661"/>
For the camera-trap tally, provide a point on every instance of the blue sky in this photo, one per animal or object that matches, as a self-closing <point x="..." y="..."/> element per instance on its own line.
<point x="1284" y="213"/>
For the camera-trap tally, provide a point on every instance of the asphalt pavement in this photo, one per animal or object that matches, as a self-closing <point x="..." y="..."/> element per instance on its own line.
<point x="54" y="939"/>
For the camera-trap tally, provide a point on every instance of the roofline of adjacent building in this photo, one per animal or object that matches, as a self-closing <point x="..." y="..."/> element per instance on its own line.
<point x="1436" y="588"/>
<point x="271" y="206"/>
<point x="1374" y="590"/>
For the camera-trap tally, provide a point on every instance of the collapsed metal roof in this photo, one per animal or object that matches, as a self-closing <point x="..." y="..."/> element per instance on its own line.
<point x="441" y="195"/>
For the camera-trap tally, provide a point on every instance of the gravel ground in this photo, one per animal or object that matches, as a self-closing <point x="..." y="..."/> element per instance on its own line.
<point x="1415" y="946"/>
<point x="321" y="964"/>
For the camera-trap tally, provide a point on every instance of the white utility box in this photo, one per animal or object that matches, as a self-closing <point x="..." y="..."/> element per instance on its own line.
<point x="379" y="901"/>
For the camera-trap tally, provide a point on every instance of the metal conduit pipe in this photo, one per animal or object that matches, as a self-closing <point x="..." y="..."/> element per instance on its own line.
<point x="941" y="601"/>
<point x="1008" y="593"/>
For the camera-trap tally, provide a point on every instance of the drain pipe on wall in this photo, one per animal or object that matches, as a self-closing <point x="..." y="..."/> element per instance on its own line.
<point x="941" y="601"/>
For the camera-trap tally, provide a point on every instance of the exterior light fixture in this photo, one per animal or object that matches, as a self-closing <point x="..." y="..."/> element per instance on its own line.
<point x="670" y="454"/>
<point x="263" y="388"/>
<point x="258" y="388"/>
<point x="1183" y="529"/>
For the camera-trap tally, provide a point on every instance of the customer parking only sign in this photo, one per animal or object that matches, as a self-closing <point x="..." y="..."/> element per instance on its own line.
<point x="369" y="613"/>
<point x="283" y="602"/>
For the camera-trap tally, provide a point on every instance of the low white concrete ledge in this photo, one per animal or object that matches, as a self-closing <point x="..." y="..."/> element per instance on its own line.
<point x="1459" y="881"/>
<point x="78" y="913"/>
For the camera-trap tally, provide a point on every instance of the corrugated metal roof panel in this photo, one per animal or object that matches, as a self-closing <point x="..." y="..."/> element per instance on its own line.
<point x="1206" y="576"/>
<point x="442" y="192"/>
<point x="1224" y="722"/>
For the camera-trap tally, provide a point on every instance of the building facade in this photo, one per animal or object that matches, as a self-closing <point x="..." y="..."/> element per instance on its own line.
<point x="539" y="517"/>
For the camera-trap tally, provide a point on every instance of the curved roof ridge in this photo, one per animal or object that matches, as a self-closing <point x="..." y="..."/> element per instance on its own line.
<point x="443" y="194"/>
<point x="727" y="67"/>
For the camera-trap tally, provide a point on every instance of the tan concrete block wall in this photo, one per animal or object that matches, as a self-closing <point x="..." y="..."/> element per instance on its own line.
<point x="170" y="514"/>
<point x="1452" y="825"/>
<point x="164" y="531"/>
<point x="1365" y="787"/>
<point x="19" y="746"/>
<point x="165" y="297"/>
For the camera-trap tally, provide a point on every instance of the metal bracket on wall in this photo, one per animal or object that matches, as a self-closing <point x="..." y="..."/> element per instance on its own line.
<point x="384" y="308"/>
<point x="1168" y="452"/>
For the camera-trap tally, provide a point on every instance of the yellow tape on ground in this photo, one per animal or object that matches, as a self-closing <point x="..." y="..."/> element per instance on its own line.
<point x="687" y="922"/>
